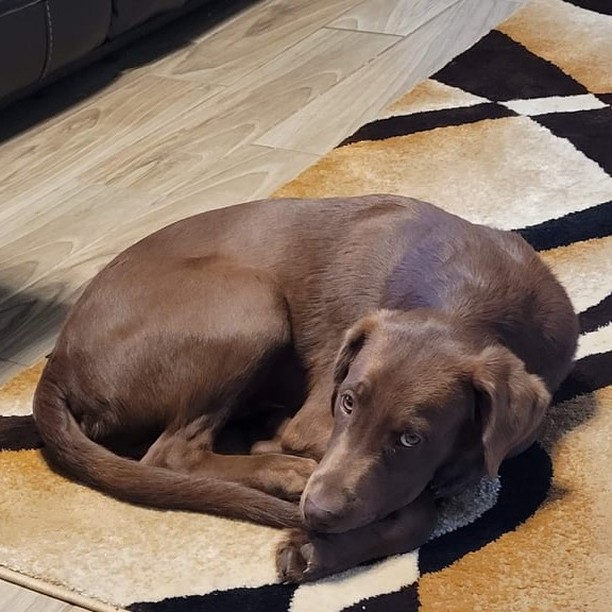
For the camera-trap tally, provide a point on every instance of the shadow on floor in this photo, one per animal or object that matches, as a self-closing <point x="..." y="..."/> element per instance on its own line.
<point x="29" y="319"/>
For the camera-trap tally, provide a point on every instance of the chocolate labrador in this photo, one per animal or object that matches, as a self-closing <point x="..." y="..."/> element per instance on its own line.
<point x="428" y="347"/>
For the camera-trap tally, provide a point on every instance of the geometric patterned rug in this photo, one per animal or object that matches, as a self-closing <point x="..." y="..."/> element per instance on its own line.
<point x="516" y="133"/>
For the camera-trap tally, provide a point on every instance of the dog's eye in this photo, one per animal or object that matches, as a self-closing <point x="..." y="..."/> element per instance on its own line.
<point x="346" y="403"/>
<point x="409" y="439"/>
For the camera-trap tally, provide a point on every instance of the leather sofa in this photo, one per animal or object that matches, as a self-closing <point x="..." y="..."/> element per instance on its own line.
<point x="41" y="40"/>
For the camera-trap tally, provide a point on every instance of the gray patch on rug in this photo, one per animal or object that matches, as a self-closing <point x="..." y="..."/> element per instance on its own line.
<point x="465" y="508"/>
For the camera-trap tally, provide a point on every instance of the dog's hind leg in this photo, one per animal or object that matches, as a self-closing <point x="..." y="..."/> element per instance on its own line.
<point x="243" y="331"/>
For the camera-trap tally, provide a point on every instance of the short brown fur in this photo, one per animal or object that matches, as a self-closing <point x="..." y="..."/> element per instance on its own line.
<point x="435" y="343"/>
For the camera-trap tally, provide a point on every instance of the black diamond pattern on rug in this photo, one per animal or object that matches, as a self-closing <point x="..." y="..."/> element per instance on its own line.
<point x="599" y="6"/>
<point x="607" y="98"/>
<point x="590" y="131"/>
<point x="406" y="600"/>
<point x="500" y="69"/>
<point x="402" y="125"/>
<point x="272" y="598"/>
<point x="596" y="316"/>
<point x="593" y="222"/>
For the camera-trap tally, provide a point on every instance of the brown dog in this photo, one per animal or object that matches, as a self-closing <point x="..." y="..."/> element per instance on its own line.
<point x="428" y="346"/>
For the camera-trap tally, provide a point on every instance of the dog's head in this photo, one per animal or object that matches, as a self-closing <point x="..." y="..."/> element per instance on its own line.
<point x="410" y="393"/>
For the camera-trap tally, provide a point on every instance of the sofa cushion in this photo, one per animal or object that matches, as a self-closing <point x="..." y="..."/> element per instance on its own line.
<point x="128" y="13"/>
<point x="23" y="43"/>
<point x="75" y="27"/>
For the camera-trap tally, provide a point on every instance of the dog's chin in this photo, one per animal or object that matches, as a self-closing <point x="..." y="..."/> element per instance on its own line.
<point x="340" y="525"/>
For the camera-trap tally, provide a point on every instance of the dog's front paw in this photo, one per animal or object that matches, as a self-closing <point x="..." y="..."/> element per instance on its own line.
<point x="297" y="560"/>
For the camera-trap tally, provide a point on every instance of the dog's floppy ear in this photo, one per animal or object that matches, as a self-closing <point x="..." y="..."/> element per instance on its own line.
<point x="512" y="403"/>
<point x="353" y="342"/>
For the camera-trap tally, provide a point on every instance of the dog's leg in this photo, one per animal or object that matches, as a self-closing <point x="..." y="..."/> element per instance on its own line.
<point x="280" y="475"/>
<point x="308" y="432"/>
<point x="188" y="450"/>
<point x="232" y="331"/>
<point x="303" y="556"/>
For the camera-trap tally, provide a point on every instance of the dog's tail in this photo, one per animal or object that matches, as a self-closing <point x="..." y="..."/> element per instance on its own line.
<point x="67" y="447"/>
<point x="19" y="433"/>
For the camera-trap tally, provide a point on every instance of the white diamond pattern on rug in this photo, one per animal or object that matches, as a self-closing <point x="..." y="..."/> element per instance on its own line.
<point x="554" y="104"/>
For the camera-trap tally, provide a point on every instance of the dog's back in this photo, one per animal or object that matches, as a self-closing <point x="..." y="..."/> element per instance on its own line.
<point x="337" y="259"/>
<point x="494" y="283"/>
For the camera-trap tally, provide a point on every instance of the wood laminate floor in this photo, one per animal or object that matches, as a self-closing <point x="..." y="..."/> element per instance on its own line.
<point x="208" y="112"/>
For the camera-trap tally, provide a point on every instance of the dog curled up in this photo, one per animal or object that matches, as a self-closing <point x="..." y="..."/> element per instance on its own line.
<point x="361" y="356"/>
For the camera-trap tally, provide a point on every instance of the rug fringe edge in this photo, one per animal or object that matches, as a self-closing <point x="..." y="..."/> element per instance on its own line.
<point x="56" y="591"/>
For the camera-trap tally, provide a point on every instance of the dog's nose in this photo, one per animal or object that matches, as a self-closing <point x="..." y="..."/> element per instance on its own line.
<point x="320" y="514"/>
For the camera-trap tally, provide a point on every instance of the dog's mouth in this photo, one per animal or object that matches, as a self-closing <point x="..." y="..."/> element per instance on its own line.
<point x="337" y="525"/>
<point x="324" y="518"/>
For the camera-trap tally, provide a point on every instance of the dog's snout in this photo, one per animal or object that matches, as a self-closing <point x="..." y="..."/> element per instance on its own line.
<point x="323" y="512"/>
